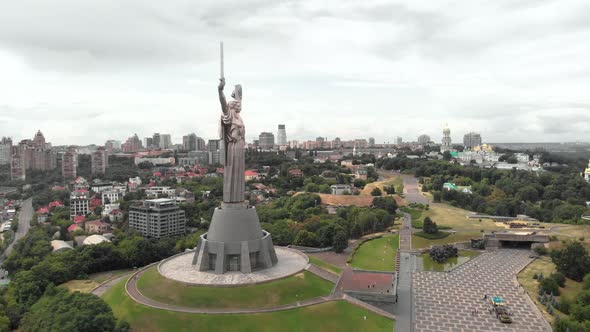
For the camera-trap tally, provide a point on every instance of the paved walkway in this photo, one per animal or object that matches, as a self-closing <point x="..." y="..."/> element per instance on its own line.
<point x="104" y="287"/>
<point x="444" y="300"/>
<point x="407" y="264"/>
<point x="324" y="274"/>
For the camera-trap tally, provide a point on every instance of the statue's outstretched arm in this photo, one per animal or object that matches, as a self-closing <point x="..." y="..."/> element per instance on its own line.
<point x="222" y="96"/>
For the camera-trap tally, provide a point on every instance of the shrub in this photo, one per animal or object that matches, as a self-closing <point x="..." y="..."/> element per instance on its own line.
<point x="429" y="226"/>
<point x="441" y="254"/>
<point x="549" y="285"/>
<point x="541" y="250"/>
<point x="376" y="192"/>
<point x="559" y="278"/>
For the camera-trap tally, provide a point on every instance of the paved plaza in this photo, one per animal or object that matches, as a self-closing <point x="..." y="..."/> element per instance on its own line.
<point x="443" y="301"/>
<point x="180" y="268"/>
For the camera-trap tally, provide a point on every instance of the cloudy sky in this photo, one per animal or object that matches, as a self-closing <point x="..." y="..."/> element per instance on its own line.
<point x="87" y="71"/>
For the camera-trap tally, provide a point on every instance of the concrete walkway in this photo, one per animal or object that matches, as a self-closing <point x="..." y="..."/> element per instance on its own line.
<point x="407" y="264"/>
<point x="324" y="274"/>
<point x="105" y="286"/>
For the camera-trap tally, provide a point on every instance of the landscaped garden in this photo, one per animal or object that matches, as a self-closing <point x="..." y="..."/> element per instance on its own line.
<point x="376" y="254"/>
<point x="429" y="264"/>
<point x="296" y="288"/>
<point x="332" y="316"/>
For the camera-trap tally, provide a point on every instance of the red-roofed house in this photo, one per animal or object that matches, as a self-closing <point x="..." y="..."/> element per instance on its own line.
<point x="219" y="170"/>
<point x="58" y="188"/>
<point x="157" y="174"/>
<point x="55" y="204"/>
<point x="80" y="183"/>
<point x="79" y="219"/>
<point x="296" y="172"/>
<point x="251" y="175"/>
<point x="95" y="202"/>
<point x="96" y="226"/>
<point x="43" y="210"/>
<point x="116" y="215"/>
<point x="73" y="228"/>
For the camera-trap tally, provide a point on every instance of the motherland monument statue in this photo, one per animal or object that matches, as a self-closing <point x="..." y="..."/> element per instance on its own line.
<point x="235" y="241"/>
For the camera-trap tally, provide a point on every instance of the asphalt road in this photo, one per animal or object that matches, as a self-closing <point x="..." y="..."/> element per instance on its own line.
<point x="24" y="224"/>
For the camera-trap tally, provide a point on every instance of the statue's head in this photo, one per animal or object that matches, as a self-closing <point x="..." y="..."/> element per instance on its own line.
<point x="237" y="93"/>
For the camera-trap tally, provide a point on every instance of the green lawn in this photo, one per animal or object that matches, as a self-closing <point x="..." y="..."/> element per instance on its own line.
<point x="95" y="279"/>
<point x="377" y="254"/>
<point x="435" y="236"/>
<point x="300" y="287"/>
<point x="545" y="265"/>
<point x="431" y="265"/>
<point x="420" y="242"/>
<point x="333" y="316"/>
<point x="326" y="266"/>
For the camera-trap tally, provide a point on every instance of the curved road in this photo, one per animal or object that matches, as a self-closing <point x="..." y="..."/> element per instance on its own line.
<point x="24" y="224"/>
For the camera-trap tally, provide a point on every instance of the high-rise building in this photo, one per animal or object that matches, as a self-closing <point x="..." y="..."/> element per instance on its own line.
<point x="148" y="143"/>
<point x="266" y="141"/>
<point x="398" y="140"/>
<point x="79" y="204"/>
<point x="587" y="173"/>
<point x="189" y="142"/>
<point x="337" y="143"/>
<point x="17" y="164"/>
<point x="423" y="139"/>
<point x="109" y="147"/>
<point x="99" y="161"/>
<point x="471" y="140"/>
<point x="371" y="141"/>
<point x="157" y="218"/>
<point x="282" y="135"/>
<point x="69" y="164"/>
<point x="5" y="150"/>
<point x="201" y="145"/>
<point x="213" y="145"/>
<point x="132" y="144"/>
<point x="446" y="140"/>
<point x="165" y="141"/>
<point x="156" y="140"/>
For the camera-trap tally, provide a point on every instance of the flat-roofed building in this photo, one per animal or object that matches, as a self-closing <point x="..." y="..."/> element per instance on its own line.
<point x="157" y="218"/>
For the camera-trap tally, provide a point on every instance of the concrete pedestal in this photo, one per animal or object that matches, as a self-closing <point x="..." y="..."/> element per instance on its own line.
<point x="235" y="242"/>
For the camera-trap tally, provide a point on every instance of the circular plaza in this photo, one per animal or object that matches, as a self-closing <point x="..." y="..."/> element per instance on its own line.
<point x="180" y="268"/>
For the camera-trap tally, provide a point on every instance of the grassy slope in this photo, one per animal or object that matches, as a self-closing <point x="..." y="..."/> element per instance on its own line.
<point x="377" y="254"/>
<point x="95" y="279"/>
<point x="333" y="316"/>
<point x="290" y="290"/>
<point x="545" y="266"/>
<point x="326" y="266"/>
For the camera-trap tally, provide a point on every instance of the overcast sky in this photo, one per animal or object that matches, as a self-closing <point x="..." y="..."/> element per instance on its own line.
<point x="87" y="71"/>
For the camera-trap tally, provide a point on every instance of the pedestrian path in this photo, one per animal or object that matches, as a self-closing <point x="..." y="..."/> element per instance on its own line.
<point x="324" y="274"/>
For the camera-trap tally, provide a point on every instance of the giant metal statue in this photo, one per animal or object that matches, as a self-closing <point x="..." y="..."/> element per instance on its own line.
<point x="235" y="241"/>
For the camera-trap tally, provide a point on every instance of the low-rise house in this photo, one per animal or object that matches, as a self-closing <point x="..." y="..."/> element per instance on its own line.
<point x="96" y="226"/>
<point x="157" y="192"/>
<point x="250" y="175"/>
<point x="74" y="228"/>
<point x="296" y="172"/>
<point x="341" y="189"/>
<point x="80" y="183"/>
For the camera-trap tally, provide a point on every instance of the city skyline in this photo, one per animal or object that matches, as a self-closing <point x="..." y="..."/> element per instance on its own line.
<point x="420" y="64"/>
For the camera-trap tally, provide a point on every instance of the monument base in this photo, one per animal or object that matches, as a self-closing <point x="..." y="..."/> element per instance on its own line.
<point x="235" y="242"/>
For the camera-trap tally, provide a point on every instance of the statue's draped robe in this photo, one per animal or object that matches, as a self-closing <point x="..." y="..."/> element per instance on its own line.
<point x="233" y="134"/>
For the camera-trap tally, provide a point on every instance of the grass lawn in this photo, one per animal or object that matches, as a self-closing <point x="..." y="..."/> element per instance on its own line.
<point x="435" y="236"/>
<point x="333" y="316"/>
<point x="326" y="266"/>
<point x="431" y="265"/>
<point x="448" y="216"/>
<point x="95" y="279"/>
<point x="545" y="266"/>
<point x="377" y="254"/>
<point x="420" y="242"/>
<point x="300" y="287"/>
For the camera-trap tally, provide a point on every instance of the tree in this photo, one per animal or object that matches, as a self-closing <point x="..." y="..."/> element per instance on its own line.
<point x="60" y="310"/>
<point x="429" y="226"/>
<point x="376" y="192"/>
<point x="340" y="241"/>
<point x="573" y="261"/>
<point x="390" y="190"/>
<point x="386" y="203"/>
<point x="306" y="239"/>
